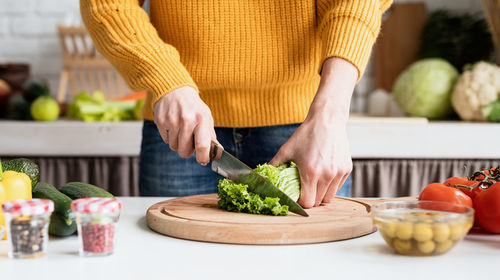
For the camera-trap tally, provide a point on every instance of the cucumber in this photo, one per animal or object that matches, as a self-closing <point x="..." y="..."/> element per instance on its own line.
<point x="76" y="190"/>
<point x="62" y="222"/>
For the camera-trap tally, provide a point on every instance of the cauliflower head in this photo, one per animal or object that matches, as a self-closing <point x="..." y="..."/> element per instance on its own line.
<point x="476" y="88"/>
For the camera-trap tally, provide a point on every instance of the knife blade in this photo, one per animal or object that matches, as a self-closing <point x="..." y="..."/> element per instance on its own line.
<point x="232" y="168"/>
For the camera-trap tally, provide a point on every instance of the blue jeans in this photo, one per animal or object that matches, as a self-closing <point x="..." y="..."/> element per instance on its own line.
<point x="162" y="172"/>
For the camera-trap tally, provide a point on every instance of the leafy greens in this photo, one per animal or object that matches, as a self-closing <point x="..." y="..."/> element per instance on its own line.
<point x="92" y="108"/>
<point x="236" y="197"/>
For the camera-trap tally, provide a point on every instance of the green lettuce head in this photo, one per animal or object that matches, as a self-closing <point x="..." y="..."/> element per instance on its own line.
<point x="424" y="89"/>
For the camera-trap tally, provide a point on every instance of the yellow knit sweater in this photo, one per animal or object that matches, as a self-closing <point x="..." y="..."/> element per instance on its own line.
<point x="254" y="63"/>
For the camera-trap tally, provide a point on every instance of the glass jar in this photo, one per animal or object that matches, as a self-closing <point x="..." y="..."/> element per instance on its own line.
<point x="27" y="222"/>
<point x="96" y="219"/>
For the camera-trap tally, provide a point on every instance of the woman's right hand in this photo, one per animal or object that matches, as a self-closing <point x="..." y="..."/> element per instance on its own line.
<point x="182" y="116"/>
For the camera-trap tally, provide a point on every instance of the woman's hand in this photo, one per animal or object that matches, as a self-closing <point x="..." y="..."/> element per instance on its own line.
<point x="319" y="146"/>
<point x="182" y="116"/>
<point x="320" y="149"/>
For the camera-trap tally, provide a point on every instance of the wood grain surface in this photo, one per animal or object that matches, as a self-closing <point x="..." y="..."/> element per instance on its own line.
<point x="399" y="42"/>
<point x="198" y="218"/>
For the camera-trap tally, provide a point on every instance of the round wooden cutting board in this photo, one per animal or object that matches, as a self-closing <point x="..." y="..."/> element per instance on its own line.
<point x="198" y="218"/>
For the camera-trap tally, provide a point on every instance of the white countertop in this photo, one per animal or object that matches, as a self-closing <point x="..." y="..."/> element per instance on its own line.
<point x="144" y="254"/>
<point x="369" y="138"/>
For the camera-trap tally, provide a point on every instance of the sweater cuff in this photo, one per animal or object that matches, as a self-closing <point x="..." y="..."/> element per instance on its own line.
<point x="162" y="76"/>
<point x="348" y="38"/>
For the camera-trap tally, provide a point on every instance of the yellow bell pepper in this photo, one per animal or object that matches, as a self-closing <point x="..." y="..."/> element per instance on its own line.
<point x="13" y="185"/>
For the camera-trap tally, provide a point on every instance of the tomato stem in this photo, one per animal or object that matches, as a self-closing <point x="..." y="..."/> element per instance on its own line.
<point x="485" y="179"/>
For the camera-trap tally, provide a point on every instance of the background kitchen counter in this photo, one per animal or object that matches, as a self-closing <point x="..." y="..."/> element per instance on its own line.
<point x="392" y="156"/>
<point x="142" y="254"/>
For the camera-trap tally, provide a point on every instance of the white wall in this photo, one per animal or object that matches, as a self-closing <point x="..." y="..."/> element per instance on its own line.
<point x="28" y="34"/>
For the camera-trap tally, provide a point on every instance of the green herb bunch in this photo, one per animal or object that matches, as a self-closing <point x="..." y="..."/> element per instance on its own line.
<point x="458" y="38"/>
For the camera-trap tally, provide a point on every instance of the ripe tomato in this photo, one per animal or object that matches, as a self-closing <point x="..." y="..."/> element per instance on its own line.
<point x="476" y="189"/>
<point x="470" y="188"/>
<point x="479" y="176"/>
<point x="487" y="206"/>
<point x="452" y="181"/>
<point x="440" y="192"/>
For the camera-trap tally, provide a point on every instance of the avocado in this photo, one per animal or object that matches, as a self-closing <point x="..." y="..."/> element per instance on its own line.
<point x="32" y="89"/>
<point x="23" y="165"/>
<point x="18" y="108"/>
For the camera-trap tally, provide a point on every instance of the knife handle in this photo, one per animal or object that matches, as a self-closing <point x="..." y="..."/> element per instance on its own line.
<point x="215" y="150"/>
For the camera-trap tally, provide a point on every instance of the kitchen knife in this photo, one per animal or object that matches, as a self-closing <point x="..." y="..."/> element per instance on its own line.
<point x="232" y="168"/>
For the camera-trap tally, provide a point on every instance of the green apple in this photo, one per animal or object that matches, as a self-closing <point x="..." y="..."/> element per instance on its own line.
<point x="45" y="108"/>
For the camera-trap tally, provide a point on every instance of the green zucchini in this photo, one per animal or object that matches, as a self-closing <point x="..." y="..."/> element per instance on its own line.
<point x="76" y="190"/>
<point x="62" y="222"/>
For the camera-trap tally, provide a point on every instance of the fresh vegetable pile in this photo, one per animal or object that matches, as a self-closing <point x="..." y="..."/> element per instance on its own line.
<point x="95" y="107"/>
<point x="20" y="180"/>
<point x="236" y="197"/>
<point x="27" y="100"/>
<point x="481" y="191"/>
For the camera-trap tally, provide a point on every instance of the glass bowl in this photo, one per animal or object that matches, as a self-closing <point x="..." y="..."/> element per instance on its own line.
<point x="422" y="228"/>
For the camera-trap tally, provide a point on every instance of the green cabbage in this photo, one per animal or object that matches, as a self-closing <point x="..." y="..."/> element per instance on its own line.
<point x="424" y="88"/>
<point x="236" y="197"/>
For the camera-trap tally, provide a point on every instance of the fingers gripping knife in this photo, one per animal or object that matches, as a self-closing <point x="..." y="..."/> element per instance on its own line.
<point x="232" y="168"/>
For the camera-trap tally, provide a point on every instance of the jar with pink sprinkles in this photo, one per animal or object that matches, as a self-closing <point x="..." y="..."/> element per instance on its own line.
<point x="96" y="219"/>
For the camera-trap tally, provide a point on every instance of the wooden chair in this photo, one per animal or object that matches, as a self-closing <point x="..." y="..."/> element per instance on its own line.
<point x="492" y="12"/>
<point x="84" y="68"/>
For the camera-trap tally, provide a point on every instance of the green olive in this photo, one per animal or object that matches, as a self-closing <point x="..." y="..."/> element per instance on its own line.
<point x="457" y="231"/>
<point x="422" y="232"/>
<point x="404" y="230"/>
<point x="402" y="246"/>
<point x="426" y="247"/>
<point x="389" y="229"/>
<point x="441" y="232"/>
<point x="444" y="246"/>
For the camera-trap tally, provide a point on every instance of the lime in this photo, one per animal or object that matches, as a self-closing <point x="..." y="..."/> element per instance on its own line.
<point x="45" y="108"/>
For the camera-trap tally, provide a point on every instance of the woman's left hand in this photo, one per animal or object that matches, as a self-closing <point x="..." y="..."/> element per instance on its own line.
<point x="319" y="146"/>
<point x="320" y="149"/>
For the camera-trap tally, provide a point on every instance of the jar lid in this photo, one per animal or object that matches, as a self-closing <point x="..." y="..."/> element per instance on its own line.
<point x="94" y="205"/>
<point x="28" y="207"/>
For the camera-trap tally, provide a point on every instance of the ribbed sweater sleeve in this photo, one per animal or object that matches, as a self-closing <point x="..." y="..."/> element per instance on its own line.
<point x="349" y="28"/>
<point x="122" y="32"/>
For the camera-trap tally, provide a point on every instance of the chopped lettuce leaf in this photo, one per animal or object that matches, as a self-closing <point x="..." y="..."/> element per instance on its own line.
<point x="271" y="172"/>
<point x="289" y="181"/>
<point x="235" y="197"/>
<point x="284" y="176"/>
